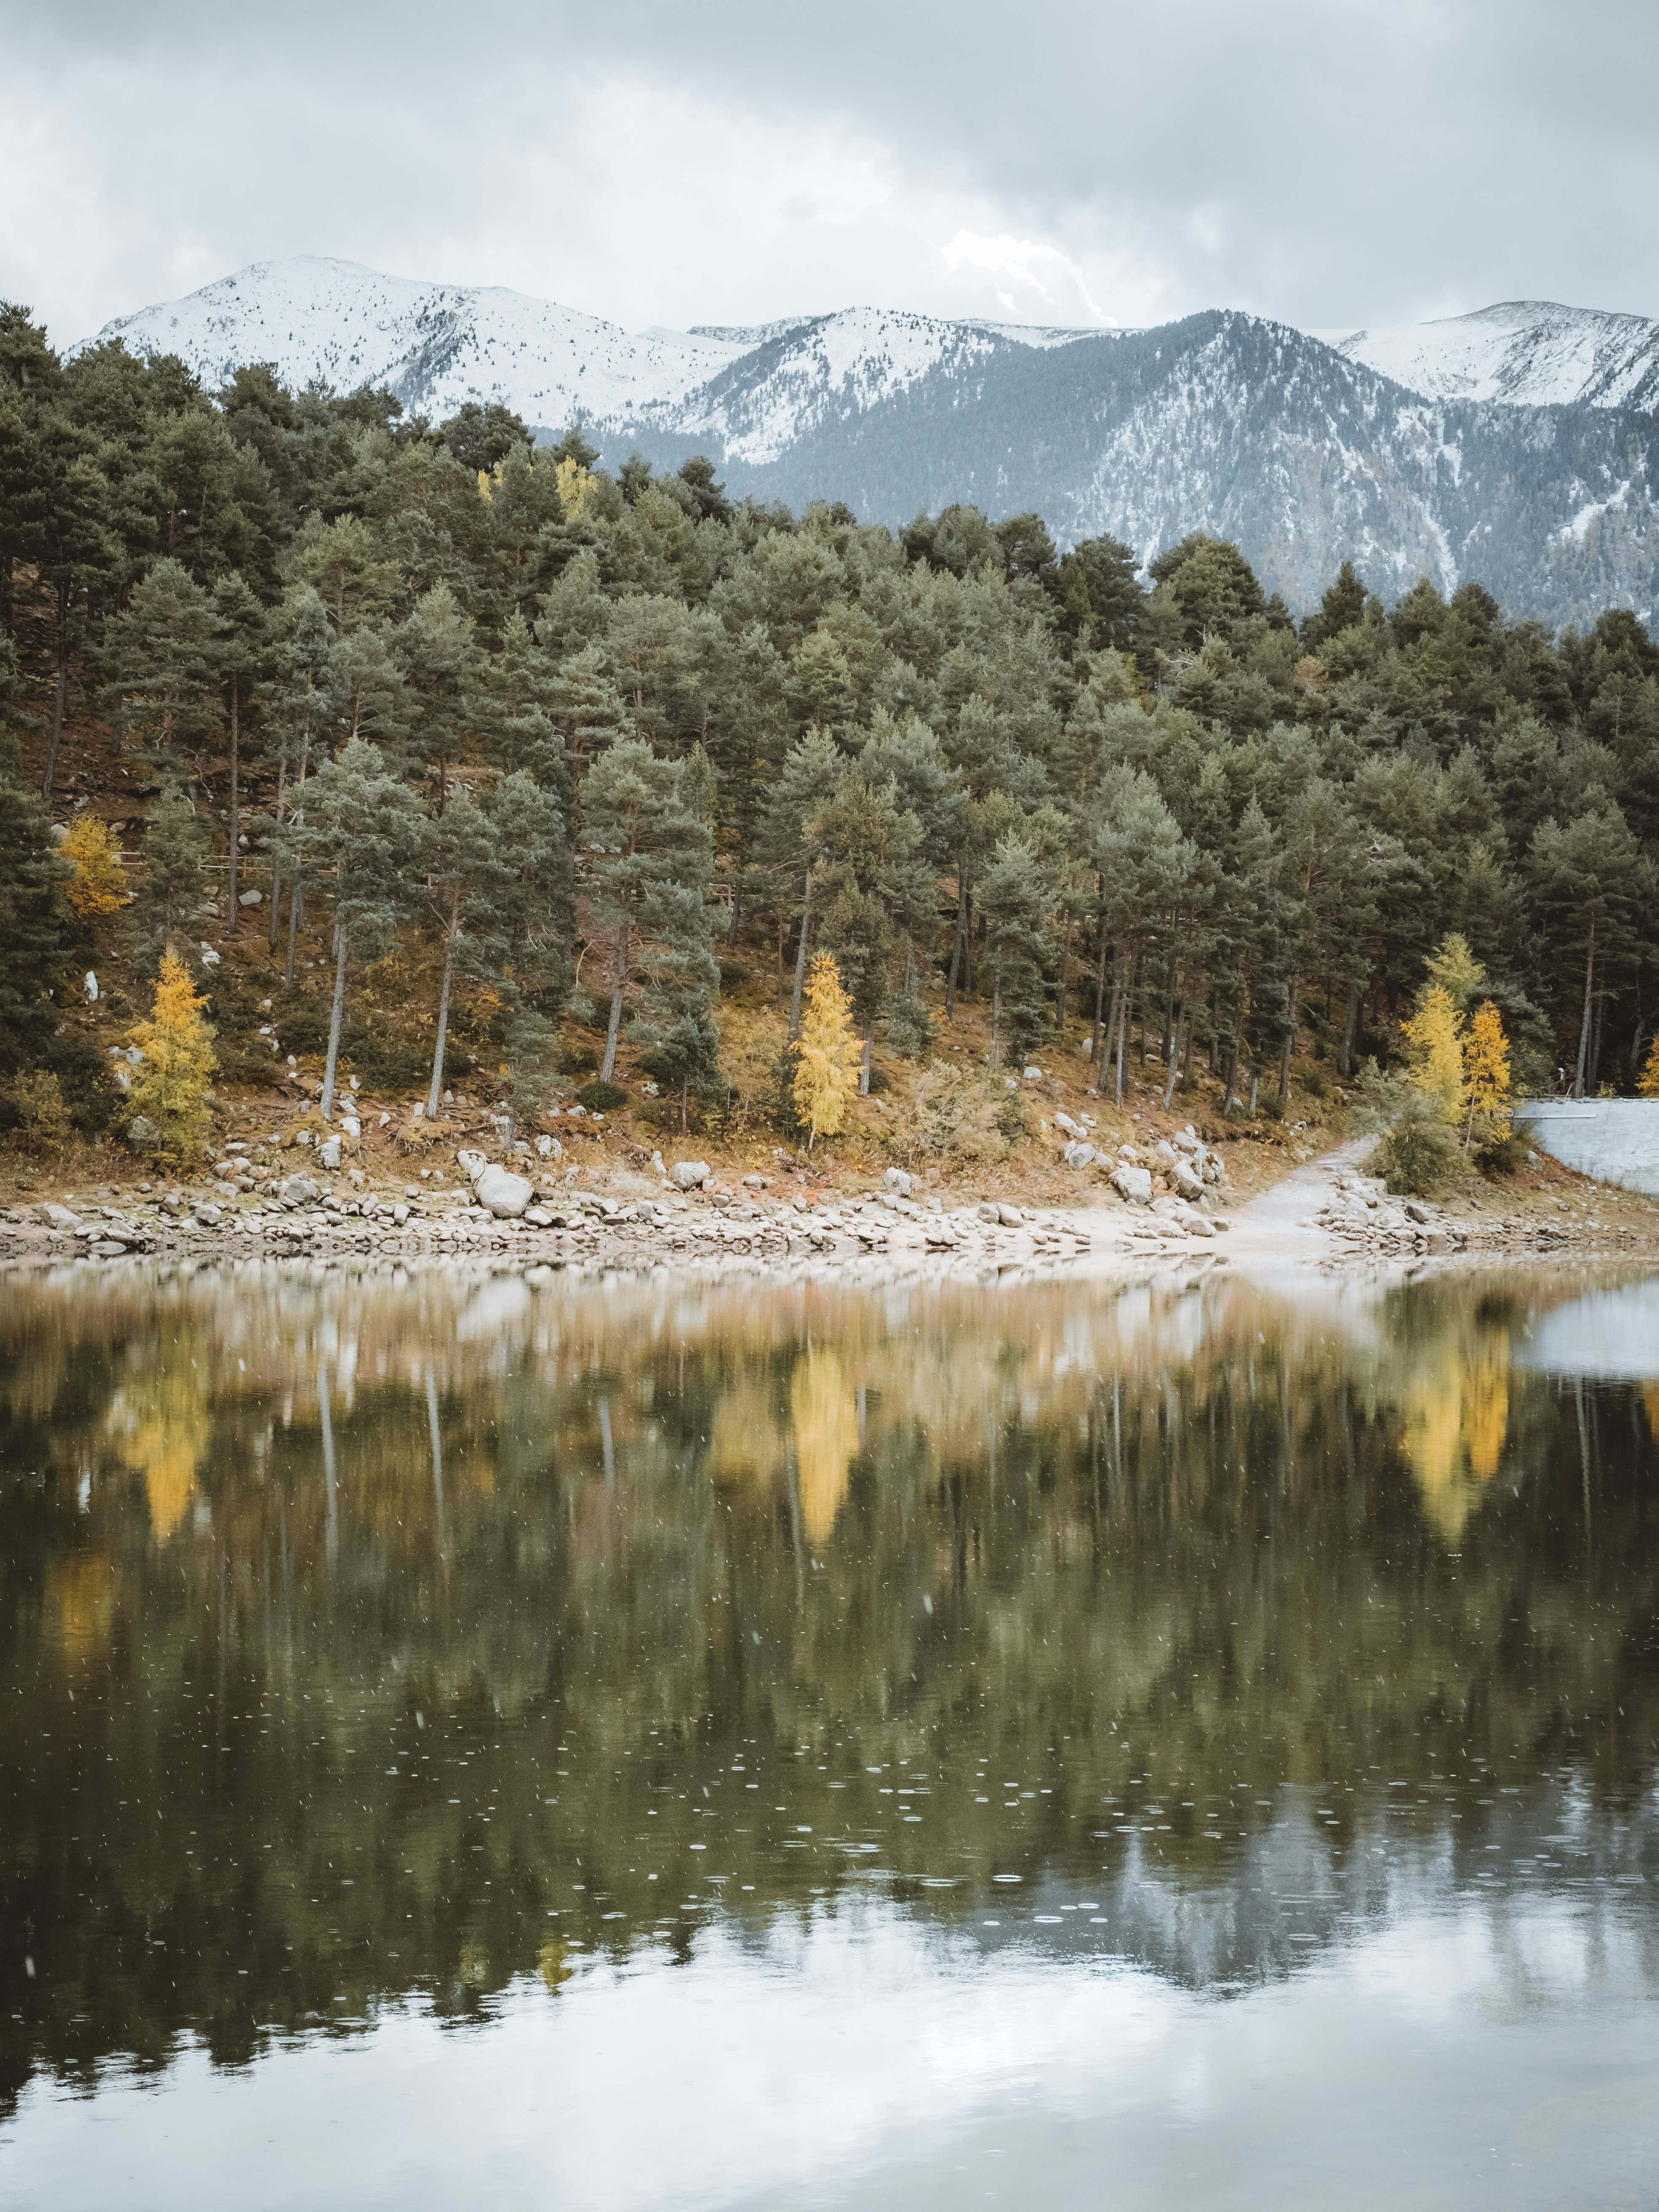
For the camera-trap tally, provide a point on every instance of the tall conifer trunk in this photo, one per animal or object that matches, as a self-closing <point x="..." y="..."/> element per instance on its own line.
<point x="60" y="691"/>
<point x="336" y="1014"/>
<point x="1584" y="1023"/>
<point x="800" y="964"/>
<point x="618" y="992"/>
<point x="236" y="911"/>
<point x="956" y="949"/>
<point x="450" y="935"/>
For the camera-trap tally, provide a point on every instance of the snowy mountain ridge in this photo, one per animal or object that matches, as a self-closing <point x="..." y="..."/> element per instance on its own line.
<point x="1519" y="446"/>
<point x="1528" y="353"/>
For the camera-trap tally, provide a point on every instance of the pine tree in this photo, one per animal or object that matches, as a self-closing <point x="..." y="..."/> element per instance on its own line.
<point x="364" y="833"/>
<point x="826" y="1070"/>
<point x="1012" y="901"/>
<point x="640" y="840"/>
<point x="169" y="1090"/>
<point x="174" y="854"/>
<point x="98" y="884"/>
<point x="467" y="887"/>
<point x="32" y="918"/>
<point x="163" y="695"/>
<point x="238" y="655"/>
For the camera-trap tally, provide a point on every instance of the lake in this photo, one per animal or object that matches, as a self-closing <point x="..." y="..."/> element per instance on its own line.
<point x="637" y="1743"/>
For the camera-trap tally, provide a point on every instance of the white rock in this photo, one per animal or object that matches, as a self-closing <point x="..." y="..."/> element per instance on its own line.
<point x="91" y="989"/>
<point x="506" y="1195"/>
<point x="328" y="1152"/>
<point x="471" y="1164"/>
<point x="1188" y="1180"/>
<point x="538" y="1216"/>
<point x="896" y="1180"/>
<point x="1065" y="1122"/>
<point x="210" y="958"/>
<point x="544" y="1147"/>
<point x="1164" y="1151"/>
<point x="1133" y="1184"/>
<point x="1033" y="1074"/>
<point x="250" y="898"/>
<point x="690" y="1174"/>
<point x="1011" y="1217"/>
<point x="1078" y="1156"/>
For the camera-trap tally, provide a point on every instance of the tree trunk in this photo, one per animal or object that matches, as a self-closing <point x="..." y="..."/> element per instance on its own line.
<point x="1232" y="1072"/>
<point x="783" y="938"/>
<point x="1584" y="1024"/>
<point x="864" y="1067"/>
<point x="968" y="947"/>
<point x="800" y="964"/>
<point x="450" y="935"/>
<point x="1350" y="1034"/>
<point x="1290" y="1044"/>
<point x="296" y="907"/>
<point x="618" y="992"/>
<point x="1255" y="1085"/>
<point x="1103" y="1038"/>
<point x="1096" y="1039"/>
<point x="1065" y="980"/>
<point x="996" y="1029"/>
<point x="1167" y="1040"/>
<point x="235" y="799"/>
<point x="1123" y="1026"/>
<point x="956" y="948"/>
<point x="335" y="1016"/>
<point x="1174" y="1067"/>
<point x="275" y="865"/>
<point x="60" y="691"/>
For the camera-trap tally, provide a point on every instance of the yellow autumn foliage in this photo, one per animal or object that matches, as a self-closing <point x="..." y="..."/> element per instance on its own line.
<point x="1648" y="1083"/>
<point x="826" y="1417"/>
<point x="170" y="1089"/>
<point x="98" y="884"/>
<point x="826" y="1073"/>
<point x="1487" y="1076"/>
<point x="1435" y="1033"/>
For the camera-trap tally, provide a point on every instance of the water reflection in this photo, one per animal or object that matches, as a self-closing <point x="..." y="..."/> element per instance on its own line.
<point x="396" y="1655"/>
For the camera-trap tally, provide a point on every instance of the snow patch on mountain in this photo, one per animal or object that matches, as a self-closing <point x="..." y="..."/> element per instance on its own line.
<point x="1528" y="353"/>
<point x="434" y="345"/>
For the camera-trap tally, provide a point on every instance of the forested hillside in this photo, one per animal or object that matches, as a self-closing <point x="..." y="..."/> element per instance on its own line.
<point x="425" y="751"/>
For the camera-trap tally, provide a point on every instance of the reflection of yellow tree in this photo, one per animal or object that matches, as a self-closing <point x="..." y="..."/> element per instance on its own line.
<point x="81" y="1591"/>
<point x="163" y="1435"/>
<point x="1457" y="1413"/>
<point x="1651" y="1399"/>
<point x="826" y="1437"/>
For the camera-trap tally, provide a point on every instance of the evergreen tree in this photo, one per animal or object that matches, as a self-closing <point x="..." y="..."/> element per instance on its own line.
<point x="175" y="854"/>
<point x="466" y="888"/>
<point x="238" y="655"/>
<point x="1012" y="901"/>
<point x="364" y="833"/>
<point x="640" y="841"/>
<point x="32" y="873"/>
<point x="163" y="694"/>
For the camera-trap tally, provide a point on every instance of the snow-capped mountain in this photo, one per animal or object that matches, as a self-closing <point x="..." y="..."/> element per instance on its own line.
<point x="434" y="345"/>
<point x="1532" y="353"/>
<point x="1513" y="445"/>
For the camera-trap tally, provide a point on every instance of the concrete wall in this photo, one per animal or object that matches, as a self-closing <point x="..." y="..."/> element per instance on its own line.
<point x="1614" y="1140"/>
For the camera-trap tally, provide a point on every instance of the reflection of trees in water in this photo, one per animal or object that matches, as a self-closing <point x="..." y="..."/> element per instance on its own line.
<point x="297" y="1549"/>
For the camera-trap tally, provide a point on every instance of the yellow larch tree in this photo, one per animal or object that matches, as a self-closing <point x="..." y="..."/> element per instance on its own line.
<point x="1436" y="1034"/>
<point x="1487" y="1077"/>
<point x="827" y="1072"/>
<point x="1647" y="1085"/>
<point x="170" y="1090"/>
<point x="98" y="884"/>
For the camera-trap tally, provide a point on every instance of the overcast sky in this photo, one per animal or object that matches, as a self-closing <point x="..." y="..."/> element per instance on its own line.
<point x="1334" y="164"/>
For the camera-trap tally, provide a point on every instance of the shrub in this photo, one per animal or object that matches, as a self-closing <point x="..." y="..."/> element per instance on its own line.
<point x="602" y="1097"/>
<point x="1504" y="1156"/>
<point x="37" y="1103"/>
<point x="1418" y="1151"/>
<point x="1314" y="1083"/>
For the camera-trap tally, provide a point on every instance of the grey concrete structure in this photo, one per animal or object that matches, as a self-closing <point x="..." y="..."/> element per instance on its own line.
<point x="1614" y="1140"/>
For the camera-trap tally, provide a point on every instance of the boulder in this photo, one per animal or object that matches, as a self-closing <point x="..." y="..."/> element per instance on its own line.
<point x="142" y="1134"/>
<point x="1166" y="1151"/>
<point x="328" y="1152"/>
<point x="690" y="1174"/>
<point x="538" y="1216"/>
<point x="506" y="1195"/>
<point x="210" y="958"/>
<point x="250" y="898"/>
<point x="1011" y="1217"/>
<point x="1199" y="1224"/>
<point x="471" y="1164"/>
<point x="1133" y="1185"/>
<point x="1415" y="1212"/>
<point x="896" y="1180"/>
<point x="298" y="1190"/>
<point x="1187" y="1179"/>
<point x="1065" y="1122"/>
<point x="1078" y="1155"/>
<point x="1033" y="1074"/>
<point x="59" y="1217"/>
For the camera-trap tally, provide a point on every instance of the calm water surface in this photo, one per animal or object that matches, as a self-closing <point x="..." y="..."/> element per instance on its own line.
<point x="634" y="1745"/>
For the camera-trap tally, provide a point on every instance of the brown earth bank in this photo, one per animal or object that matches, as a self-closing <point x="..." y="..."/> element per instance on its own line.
<point x="595" y="1196"/>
